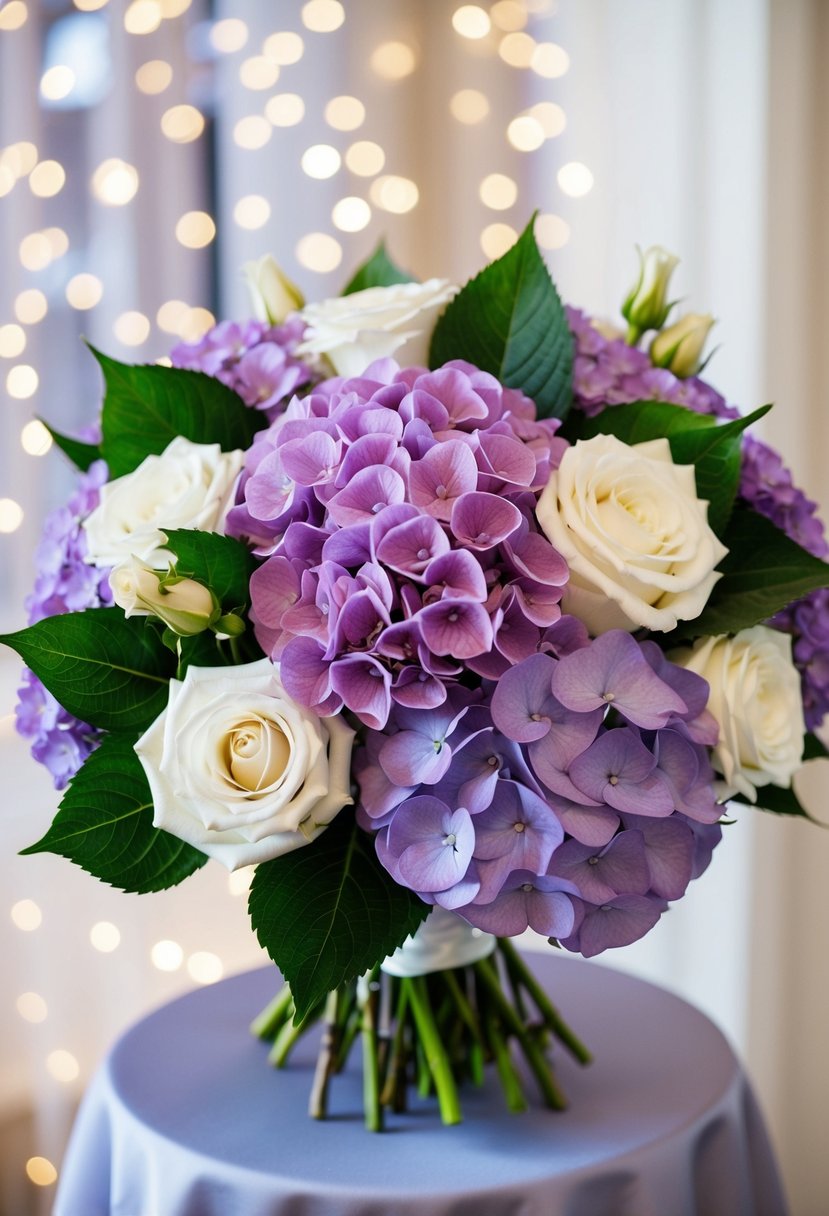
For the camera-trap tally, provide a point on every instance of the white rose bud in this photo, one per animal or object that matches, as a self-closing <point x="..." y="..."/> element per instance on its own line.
<point x="628" y="522"/>
<point x="647" y="306"/>
<point x="241" y="771"/>
<point x="352" y="331"/>
<point x="756" y="700"/>
<point x="680" y="346"/>
<point x="190" y="485"/>
<point x="184" y="605"/>
<point x="272" y="293"/>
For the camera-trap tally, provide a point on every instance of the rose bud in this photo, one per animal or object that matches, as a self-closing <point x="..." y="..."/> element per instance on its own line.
<point x="679" y="347"/>
<point x="185" y="606"/>
<point x="647" y="306"/>
<point x="272" y="293"/>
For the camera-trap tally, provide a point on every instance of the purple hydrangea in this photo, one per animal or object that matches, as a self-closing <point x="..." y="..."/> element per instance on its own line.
<point x="255" y="359"/>
<point x="574" y="796"/>
<point x="64" y="583"/>
<point x="396" y="514"/>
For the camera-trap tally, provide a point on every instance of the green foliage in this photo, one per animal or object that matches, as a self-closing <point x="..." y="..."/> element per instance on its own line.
<point x="378" y="271"/>
<point x="105" y="825"/>
<point x="776" y="800"/>
<point x="329" y="912"/>
<point x="509" y="321"/>
<point x="81" y="454"/>
<point x="147" y="406"/>
<point x="103" y="668"/>
<point x="218" y="562"/>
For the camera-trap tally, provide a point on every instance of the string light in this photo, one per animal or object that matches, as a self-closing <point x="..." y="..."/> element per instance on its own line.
<point x="469" y="106"/>
<point x="31" y="306"/>
<point x="284" y="48"/>
<point x="319" y="252"/>
<point x="115" y="183"/>
<point x="525" y="133"/>
<point x="259" y="72"/>
<point x="32" y="1007"/>
<point x="22" y="381"/>
<point x="11" y="517"/>
<point x="320" y="161"/>
<point x="252" y="211"/>
<point x="194" y="323"/>
<point x="13" y="15"/>
<point x="57" y="82"/>
<point x="21" y="157"/>
<point x="498" y="191"/>
<point x="351" y="214"/>
<point x="229" y="35"/>
<point x="551" y="231"/>
<point x="285" y="109"/>
<point x="12" y="341"/>
<point x="63" y="1066"/>
<point x="105" y="936"/>
<point x="25" y="913"/>
<point x="345" y="113"/>
<point x="40" y="1171"/>
<point x="575" y="179"/>
<point x="549" y="60"/>
<point x="393" y="60"/>
<point x="84" y="291"/>
<point x="132" y="328"/>
<point x="395" y="194"/>
<point x="182" y="124"/>
<point x="365" y="158"/>
<point x="35" y="439"/>
<point x="47" y="179"/>
<point x="204" y="967"/>
<point x="470" y="21"/>
<point x="154" y="76"/>
<point x="252" y="132"/>
<point x="195" y="229"/>
<point x="323" y="16"/>
<point x="142" y="17"/>
<point x="58" y="242"/>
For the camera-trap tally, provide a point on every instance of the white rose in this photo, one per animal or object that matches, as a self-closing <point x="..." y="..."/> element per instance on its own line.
<point x="185" y="606"/>
<point x="628" y="522"/>
<point x="188" y="486"/>
<point x="354" y="330"/>
<point x="756" y="700"/>
<point x="239" y="770"/>
<point x="272" y="293"/>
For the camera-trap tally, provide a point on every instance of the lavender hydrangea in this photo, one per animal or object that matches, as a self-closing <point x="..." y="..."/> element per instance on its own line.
<point x="64" y="583"/>
<point x="256" y="360"/>
<point x="574" y="796"/>
<point x="396" y="514"/>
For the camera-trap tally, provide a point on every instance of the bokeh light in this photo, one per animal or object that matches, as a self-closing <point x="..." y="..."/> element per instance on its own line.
<point x="195" y="229"/>
<point x="393" y="60"/>
<point x="205" y="967"/>
<point x="35" y="440"/>
<point x="167" y="955"/>
<point x="32" y="1007"/>
<point x="550" y="60"/>
<point x="47" y="179"/>
<point x="229" y="35"/>
<point x="22" y="381"/>
<point x="30" y="306"/>
<point x="40" y="1171"/>
<point x="13" y="15"/>
<point x="551" y="231"/>
<point x="365" y="158"/>
<point x="498" y="191"/>
<point x="471" y="21"/>
<point x="11" y="517"/>
<point x="252" y="132"/>
<point x="57" y="82"/>
<point x="25" y="913"/>
<point x="525" y="133"/>
<point x="319" y="252"/>
<point x="351" y="214"/>
<point x="142" y="17"/>
<point x="345" y="113"/>
<point x="496" y="239"/>
<point x="575" y="179"/>
<point x="284" y="48"/>
<point x="12" y="341"/>
<point x="469" y="106"/>
<point x="105" y="936"/>
<point x="132" y="328"/>
<point x="320" y="161"/>
<point x="154" y="76"/>
<point x="115" y="182"/>
<point x="395" y="194"/>
<point x="259" y="72"/>
<point x="285" y="109"/>
<point x="323" y="16"/>
<point x="182" y="124"/>
<point x="251" y="212"/>
<point x="517" y="50"/>
<point x="63" y="1066"/>
<point x="84" y="291"/>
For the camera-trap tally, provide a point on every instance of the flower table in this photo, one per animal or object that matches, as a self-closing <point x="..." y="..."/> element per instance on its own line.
<point x="185" y="1118"/>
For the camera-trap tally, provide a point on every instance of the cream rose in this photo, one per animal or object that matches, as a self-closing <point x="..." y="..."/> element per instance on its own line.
<point x="273" y="295"/>
<point x="184" y="605"/>
<point x="239" y="770"/>
<point x="756" y="700"/>
<point x="188" y="486"/>
<point x="628" y="522"/>
<point x="354" y="330"/>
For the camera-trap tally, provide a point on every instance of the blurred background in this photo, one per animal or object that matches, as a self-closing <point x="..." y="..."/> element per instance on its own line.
<point x="148" y="148"/>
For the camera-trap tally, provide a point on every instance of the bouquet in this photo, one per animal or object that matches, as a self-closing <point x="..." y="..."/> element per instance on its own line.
<point x="453" y="613"/>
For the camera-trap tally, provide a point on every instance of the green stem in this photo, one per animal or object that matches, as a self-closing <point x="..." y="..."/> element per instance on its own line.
<point x="634" y="333"/>
<point x="397" y="1059"/>
<point x="548" y="1011"/>
<point x="273" y="1015"/>
<point x="236" y="650"/>
<point x="371" y="1071"/>
<point x="536" y="1059"/>
<point x="439" y="1066"/>
<point x="467" y="1013"/>
<point x="288" y="1035"/>
<point x="326" y="1057"/>
<point x="510" y="1083"/>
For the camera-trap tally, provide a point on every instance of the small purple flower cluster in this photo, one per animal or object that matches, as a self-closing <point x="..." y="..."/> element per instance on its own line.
<point x="397" y="513"/>
<point x="64" y="583"/>
<point x="255" y="359"/>
<point x="606" y="372"/>
<point x="766" y="485"/>
<point x="575" y="796"/>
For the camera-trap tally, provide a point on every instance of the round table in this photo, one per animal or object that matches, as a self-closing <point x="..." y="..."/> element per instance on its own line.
<point x="186" y="1118"/>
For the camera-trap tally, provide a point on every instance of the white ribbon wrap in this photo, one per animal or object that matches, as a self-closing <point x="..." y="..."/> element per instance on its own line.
<point x="443" y="941"/>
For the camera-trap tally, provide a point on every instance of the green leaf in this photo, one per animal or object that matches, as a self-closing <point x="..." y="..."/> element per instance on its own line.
<point x="105" y="825"/>
<point x="695" y="439"/>
<point x="103" y="668"/>
<point x="218" y="562"/>
<point x="146" y="407"/>
<point x="329" y="912"/>
<point x="814" y="748"/>
<point x="509" y="321"/>
<point x="81" y="454"/>
<point x="763" y="572"/>
<point x="378" y="271"/>
<point x="776" y="800"/>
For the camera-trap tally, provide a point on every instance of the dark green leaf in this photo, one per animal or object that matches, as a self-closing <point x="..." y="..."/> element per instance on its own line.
<point x="218" y="562"/>
<point x="81" y="454"/>
<point x="105" y="825"/>
<point x="378" y="271"/>
<point x="639" y="421"/>
<point x="509" y="321"/>
<point x="778" y="801"/>
<point x="329" y="912"/>
<point x="813" y="748"/>
<point x="146" y="407"/>
<point x="103" y="668"/>
<point x="763" y="572"/>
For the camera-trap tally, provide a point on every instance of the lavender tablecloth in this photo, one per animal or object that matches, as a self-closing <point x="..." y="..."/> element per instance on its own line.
<point x="185" y="1118"/>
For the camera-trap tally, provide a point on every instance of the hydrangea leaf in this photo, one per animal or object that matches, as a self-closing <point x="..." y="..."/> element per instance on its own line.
<point x="762" y="573"/>
<point x="147" y="406"/>
<point x="105" y="825"/>
<point x="81" y="454"/>
<point x="378" y="271"/>
<point x="103" y="668"/>
<point x="695" y="439"/>
<point x="509" y="321"/>
<point x="330" y="912"/>
<point x="218" y="562"/>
